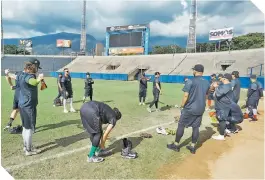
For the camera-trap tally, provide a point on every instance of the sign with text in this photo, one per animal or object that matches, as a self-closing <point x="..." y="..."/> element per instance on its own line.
<point x="128" y="27"/>
<point x="129" y="50"/>
<point x="221" y="34"/>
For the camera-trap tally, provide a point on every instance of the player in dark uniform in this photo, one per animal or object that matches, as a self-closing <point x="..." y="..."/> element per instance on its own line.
<point x="143" y="89"/>
<point x="223" y="98"/>
<point x="88" y="87"/>
<point x="210" y="94"/>
<point x="28" y="101"/>
<point x="60" y="89"/>
<point x="193" y="104"/>
<point x="156" y="92"/>
<point x="67" y="90"/>
<point x="15" y="101"/>
<point x="93" y="115"/>
<point x="261" y="93"/>
<point x="253" y="96"/>
<point x="235" y="86"/>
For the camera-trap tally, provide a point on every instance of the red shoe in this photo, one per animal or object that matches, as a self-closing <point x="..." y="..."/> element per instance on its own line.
<point x="245" y="116"/>
<point x="255" y="118"/>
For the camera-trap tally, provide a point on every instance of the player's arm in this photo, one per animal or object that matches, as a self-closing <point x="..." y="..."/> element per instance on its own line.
<point x="59" y="84"/>
<point x="10" y="75"/>
<point x="186" y="90"/>
<point x="105" y="136"/>
<point x="33" y="81"/>
<point x="91" y="81"/>
<point x="63" y="83"/>
<point x="8" y="79"/>
<point x="184" y="99"/>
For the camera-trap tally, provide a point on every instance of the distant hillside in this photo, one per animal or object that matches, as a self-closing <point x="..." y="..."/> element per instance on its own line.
<point x="47" y="44"/>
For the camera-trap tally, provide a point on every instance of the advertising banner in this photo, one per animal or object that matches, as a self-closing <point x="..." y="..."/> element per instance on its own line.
<point x="221" y="34"/>
<point x="63" y="43"/>
<point x="131" y="50"/>
<point x="128" y="27"/>
<point x="25" y="42"/>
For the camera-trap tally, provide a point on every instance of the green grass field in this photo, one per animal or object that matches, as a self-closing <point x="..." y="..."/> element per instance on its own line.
<point x="64" y="142"/>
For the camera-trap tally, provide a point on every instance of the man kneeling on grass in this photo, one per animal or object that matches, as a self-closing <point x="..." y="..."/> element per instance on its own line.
<point x="93" y="115"/>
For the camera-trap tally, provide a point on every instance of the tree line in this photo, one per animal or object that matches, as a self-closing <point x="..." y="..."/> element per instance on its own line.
<point x="14" y="49"/>
<point x="249" y="41"/>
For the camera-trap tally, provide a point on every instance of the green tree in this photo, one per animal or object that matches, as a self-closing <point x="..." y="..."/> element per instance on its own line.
<point x="13" y="49"/>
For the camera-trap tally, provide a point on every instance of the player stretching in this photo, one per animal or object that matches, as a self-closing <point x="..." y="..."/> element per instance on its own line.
<point x="15" y="101"/>
<point x="156" y="92"/>
<point x="88" y="87"/>
<point x="67" y="90"/>
<point x="193" y="103"/>
<point x="253" y="97"/>
<point x="143" y="89"/>
<point x="93" y="115"/>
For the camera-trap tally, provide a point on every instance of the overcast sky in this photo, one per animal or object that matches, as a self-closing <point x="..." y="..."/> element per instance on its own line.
<point x="24" y="18"/>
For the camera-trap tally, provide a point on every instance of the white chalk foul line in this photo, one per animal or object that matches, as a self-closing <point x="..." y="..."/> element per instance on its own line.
<point x="10" y="168"/>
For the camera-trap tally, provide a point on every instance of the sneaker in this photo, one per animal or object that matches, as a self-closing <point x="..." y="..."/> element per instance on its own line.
<point x="161" y="130"/>
<point x="72" y="110"/>
<point x="227" y="131"/>
<point x="176" y="106"/>
<point x="173" y="147"/>
<point x="103" y="152"/>
<point x="149" y="110"/>
<point x="219" y="137"/>
<point x="32" y="152"/>
<point x="95" y="159"/>
<point x="130" y="155"/>
<point x="140" y="104"/>
<point x="65" y="111"/>
<point x="54" y="105"/>
<point x="191" y="149"/>
<point x="143" y="104"/>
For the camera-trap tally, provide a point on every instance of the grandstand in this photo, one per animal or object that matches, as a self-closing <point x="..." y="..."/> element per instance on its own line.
<point x="48" y="63"/>
<point x="179" y="64"/>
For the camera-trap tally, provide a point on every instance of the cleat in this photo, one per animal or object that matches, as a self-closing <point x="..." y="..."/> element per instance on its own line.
<point x="143" y="104"/>
<point x="246" y="116"/>
<point x="72" y="110"/>
<point x="173" y="147"/>
<point x="65" y="111"/>
<point x="95" y="159"/>
<point x="140" y="104"/>
<point x="191" y="149"/>
<point x="149" y="110"/>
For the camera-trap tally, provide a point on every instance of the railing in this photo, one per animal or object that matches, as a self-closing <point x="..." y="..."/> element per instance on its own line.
<point x="257" y="70"/>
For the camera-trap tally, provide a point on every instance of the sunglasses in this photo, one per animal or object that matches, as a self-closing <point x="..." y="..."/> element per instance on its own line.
<point x="66" y="71"/>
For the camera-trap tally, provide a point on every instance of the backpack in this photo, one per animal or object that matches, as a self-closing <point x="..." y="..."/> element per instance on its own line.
<point x="58" y="102"/>
<point x="16" y="130"/>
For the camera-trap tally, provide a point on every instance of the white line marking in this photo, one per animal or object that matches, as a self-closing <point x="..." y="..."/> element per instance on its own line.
<point x="10" y="168"/>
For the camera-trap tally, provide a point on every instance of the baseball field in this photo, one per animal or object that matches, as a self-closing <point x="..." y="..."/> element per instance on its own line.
<point x="65" y="145"/>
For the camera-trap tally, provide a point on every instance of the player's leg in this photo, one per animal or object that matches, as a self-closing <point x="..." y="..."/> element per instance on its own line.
<point x="65" y="97"/>
<point x="14" y="113"/>
<point x="152" y="103"/>
<point x="95" y="140"/>
<point x="222" y="127"/>
<point x="85" y="96"/>
<point x="71" y="101"/>
<point x="34" y="118"/>
<point x="140" y="97"/>
<point x="144" y="96"/>
<point x="57" y="97"/>
<point x="91" y="95"/>
<point x="156" y="101"/>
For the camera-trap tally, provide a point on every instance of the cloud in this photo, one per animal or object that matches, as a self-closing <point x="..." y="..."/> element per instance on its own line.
<point x="246" y="21"/>
<point x="167" y="18"/>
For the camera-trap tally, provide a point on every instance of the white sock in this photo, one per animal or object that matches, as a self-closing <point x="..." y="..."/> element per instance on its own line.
<point x="64" y="104"/>
<point x="255" y="111"/>
<point x="24" y="137"/>
<point x="28" y="139"/>
<point x="247" y="111"/>
<point x="71" y="103"/>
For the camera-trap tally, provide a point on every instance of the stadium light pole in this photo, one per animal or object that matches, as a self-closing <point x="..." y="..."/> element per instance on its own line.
<point x="2" y="29"/>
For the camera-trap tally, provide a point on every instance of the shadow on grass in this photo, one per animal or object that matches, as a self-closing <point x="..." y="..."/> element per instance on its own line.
<point x="148" y="103"/>
<point x="78" y="101"/>
<point x="58" y="125"/>
<point x="108" y="101"/>
<point x="167" y="107"/>
<point x="204" y="136"/>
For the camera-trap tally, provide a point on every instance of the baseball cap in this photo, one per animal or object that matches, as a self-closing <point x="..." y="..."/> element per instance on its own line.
<point x="157" y="73"/>
<point x="35" y="61"/>
<point x="253" y="76"/>
<point x="87" y="73"/>
<point x="60" y="74"/>
<point x="228" y="76"/>
<point x="220" y="76"/>
<point x="198" y="68"/>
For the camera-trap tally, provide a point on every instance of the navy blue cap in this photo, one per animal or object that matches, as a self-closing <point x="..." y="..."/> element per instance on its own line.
<point x="198" y="68"/>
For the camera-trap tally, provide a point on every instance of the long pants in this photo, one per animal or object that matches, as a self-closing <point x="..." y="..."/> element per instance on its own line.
<point x="95" y="139"/>
<point x="59" y="94"/>
<point x="155" y="101"/>
<point x="180" y="132"/>
<point x="222" y="127"/>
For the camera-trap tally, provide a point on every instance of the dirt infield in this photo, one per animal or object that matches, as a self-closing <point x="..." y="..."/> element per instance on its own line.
<point x="241" y="156"/>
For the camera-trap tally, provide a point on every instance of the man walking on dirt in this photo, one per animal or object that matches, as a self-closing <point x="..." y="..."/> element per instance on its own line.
<point x="193" y="104"/>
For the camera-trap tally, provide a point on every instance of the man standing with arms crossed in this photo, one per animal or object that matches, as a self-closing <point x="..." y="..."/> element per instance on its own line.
<point x="193" y="104"/>
<point x="156" y="92"/>
<point x="88" y="87"/>
<point x="67" y="90"/>
<point x="28" y="101"/>
<point x="143" y="89"/>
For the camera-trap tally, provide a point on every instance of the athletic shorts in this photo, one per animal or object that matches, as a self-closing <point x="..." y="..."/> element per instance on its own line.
<point x="142" y="93"/>
<point x="15" y="102"/>
<point x="156" y="95"/>
<point x="69" y="93"/>
<point x="189" y="120"/>
<point x="28" y="117"/>
<point x="90" y="120"/>
<point x="252" y="103"/>
<point x="88" y="92"/>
